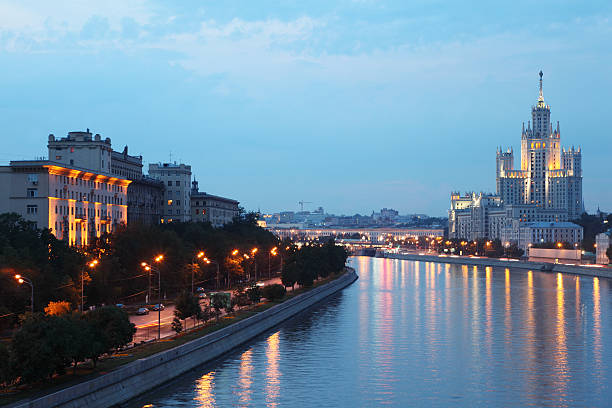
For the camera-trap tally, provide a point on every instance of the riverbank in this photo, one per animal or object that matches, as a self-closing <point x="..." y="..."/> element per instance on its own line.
<point x="142" y="375"/>
<point x="534" y="266"/>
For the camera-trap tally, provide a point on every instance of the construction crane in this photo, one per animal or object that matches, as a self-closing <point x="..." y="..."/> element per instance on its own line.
<point x="301" y="203"/>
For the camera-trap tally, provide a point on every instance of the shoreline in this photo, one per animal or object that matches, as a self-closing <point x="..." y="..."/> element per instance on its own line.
<point x="136" y="378"/>
<point x="600" y="272"/>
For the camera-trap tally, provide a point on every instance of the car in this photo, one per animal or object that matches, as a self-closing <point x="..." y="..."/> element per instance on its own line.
<point x="199" y="289"/>
<point x="158" y="306"/>
<point x="120" y="305"/>
<point x="202" y="295"/>
<point x="142" y="311"/>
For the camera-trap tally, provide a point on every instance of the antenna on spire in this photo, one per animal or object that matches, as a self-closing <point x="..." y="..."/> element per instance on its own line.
<point x="541" y="97"/>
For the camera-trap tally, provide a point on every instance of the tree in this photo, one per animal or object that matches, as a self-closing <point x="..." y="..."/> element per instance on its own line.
<point x="58" y="308"/>
<point x="40" y="347"/>
<point x="6" y="372"/>
<point x="291" y="271"/>
<point x="187" y="305"/>
<point x="113" y="328"/>
<point x="254" y="294"/>
<point x="177" y="326"/>
<point x="609" y="253"/>
<point x="218" y="301"/>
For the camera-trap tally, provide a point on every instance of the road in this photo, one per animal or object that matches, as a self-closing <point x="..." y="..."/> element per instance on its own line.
<point x="146" y="325"/>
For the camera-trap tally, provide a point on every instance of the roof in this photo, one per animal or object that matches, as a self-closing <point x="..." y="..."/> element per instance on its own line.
<point x="207" y="196"/>
<point x="53" y="164"/>
<point x="562" y="224"/>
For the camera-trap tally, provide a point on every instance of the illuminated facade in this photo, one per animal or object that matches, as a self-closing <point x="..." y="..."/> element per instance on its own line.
<point x="546" y="188"/>
<point x="76" y="204"/>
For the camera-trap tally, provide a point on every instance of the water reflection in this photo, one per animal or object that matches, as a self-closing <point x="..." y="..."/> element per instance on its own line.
<point x="425" y="334"/>
<point x="273" y="372"/>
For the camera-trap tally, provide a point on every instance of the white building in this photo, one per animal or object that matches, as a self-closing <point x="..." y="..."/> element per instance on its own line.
<point x="75" y="203"/>
<point x="547" y="187"/>
<point x="210" y="208"/>
<point x="177" y="180"/>
<point x="603" y="242"/>
<point x="558" y="232"/>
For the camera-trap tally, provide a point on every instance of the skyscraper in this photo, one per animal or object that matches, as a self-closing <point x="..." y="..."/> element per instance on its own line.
<point x="546" y="188"/>
<point x="549" y="177"/>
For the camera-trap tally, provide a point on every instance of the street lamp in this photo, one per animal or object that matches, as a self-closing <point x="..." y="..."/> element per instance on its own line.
<point x="150" y="268"/>
<point x="253" y="252"/>
<point x="91" y="265"/>
<point x="209" y="261"/>
<point x="22" y="279"/>
<point x="272" y="252"/>
<point x="195" y="261"/>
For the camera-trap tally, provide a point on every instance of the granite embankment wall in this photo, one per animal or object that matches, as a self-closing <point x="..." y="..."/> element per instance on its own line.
<point x="143" y="375"/>
<point x="534" y="266"/>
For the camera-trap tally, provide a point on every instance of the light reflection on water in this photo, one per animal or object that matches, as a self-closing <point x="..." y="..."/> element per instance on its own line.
<point x="424" y="334"/>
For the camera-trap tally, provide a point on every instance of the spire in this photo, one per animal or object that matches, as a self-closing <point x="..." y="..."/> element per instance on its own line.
<point x="541" y="97"/>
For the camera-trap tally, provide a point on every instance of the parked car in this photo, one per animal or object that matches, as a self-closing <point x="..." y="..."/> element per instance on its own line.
<point x="158" y="306"/>
<point x="142" y="311"/>
<point x="202" y="295"/>
<point x="120" y="305"/>
<point x="199" y="289"/>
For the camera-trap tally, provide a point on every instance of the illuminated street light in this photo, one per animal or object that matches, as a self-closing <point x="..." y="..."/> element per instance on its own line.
<point x="22" y="279"/>
<point x="152" y="268"/>
<point x="91" y="265"/>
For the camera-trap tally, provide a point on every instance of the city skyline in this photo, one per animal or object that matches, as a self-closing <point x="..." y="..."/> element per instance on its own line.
<point x="353" y="106"/>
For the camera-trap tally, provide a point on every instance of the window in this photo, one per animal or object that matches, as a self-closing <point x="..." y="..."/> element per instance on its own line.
<point x="178" y="183"/>
<point x="32" y="209"/>
<point x="32" y="192"/>
<point x="169" y="183"/>
<point x="169" y="202"/>
<point x="178" y="202"/>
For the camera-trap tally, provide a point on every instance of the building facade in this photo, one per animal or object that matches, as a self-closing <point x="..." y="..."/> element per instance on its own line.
<point x="210" y="208"/>
<point x="76" y="204"/>
<point x="546" y="188"/>
<point x="531" y="233"/>
<point x="603" y="242"/>
<point x="145" y="200"/>
<point x="177" y="181"/>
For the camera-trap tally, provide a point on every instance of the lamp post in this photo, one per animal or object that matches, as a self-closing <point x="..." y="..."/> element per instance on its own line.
<point x="253" y="252"/>
<point x="92" y="265"/>
<point x="209" y="261"/>
<point x="23" y="279"/>
<point x="272" y="252"/>
<point x="195" y="261"/>
<point x="150" y="268"/>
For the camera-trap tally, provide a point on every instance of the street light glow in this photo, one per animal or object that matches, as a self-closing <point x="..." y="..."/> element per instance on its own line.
<point x="17" y="276"/>
<point x="201" y="254"/>
<point x="159" y="258"/>
<point x="235" y="252"/>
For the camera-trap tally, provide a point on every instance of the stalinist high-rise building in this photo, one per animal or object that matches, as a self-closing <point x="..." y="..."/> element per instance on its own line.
<point x="546" y="188"/>
<point x="549" y="176"/>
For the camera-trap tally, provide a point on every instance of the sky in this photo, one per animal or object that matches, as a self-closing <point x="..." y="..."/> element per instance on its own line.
<point x="352" y="105"/>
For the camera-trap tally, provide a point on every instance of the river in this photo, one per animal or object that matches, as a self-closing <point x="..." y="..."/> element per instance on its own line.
<point x="411" y="333"/>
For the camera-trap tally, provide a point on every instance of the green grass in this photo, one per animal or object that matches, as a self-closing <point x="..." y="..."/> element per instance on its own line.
<point x="85" y="372"/>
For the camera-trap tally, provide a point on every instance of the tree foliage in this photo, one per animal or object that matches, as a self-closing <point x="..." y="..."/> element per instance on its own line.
<point x="58" y="308"/>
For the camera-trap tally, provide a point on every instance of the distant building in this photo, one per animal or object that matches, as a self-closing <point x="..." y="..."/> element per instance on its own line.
<point x="210" y="208"/>
<point x="77" y="204"/>
<point x="127" y="166"/>
<point x="145" y="201"/>
<point x="603" y="242"/>
<point x="546" y="188"/>
<point x="177" y="180"/>
<point x="531" y="233"/>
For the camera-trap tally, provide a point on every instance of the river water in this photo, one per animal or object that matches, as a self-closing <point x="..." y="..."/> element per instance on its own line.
<point x="423" y="334"/>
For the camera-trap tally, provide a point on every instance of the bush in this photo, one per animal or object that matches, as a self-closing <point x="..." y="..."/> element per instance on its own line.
<point x="254" y="294"/>
<point x="274" y="292"/>
<point x="58" y="308"/>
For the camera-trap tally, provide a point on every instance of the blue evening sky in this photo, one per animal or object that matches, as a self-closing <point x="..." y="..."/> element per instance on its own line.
<point x="351" y="104"/>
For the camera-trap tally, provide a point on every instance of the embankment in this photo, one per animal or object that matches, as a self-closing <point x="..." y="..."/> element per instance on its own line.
<point x="143" y="375"/>
<point x="534" y="266"/>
